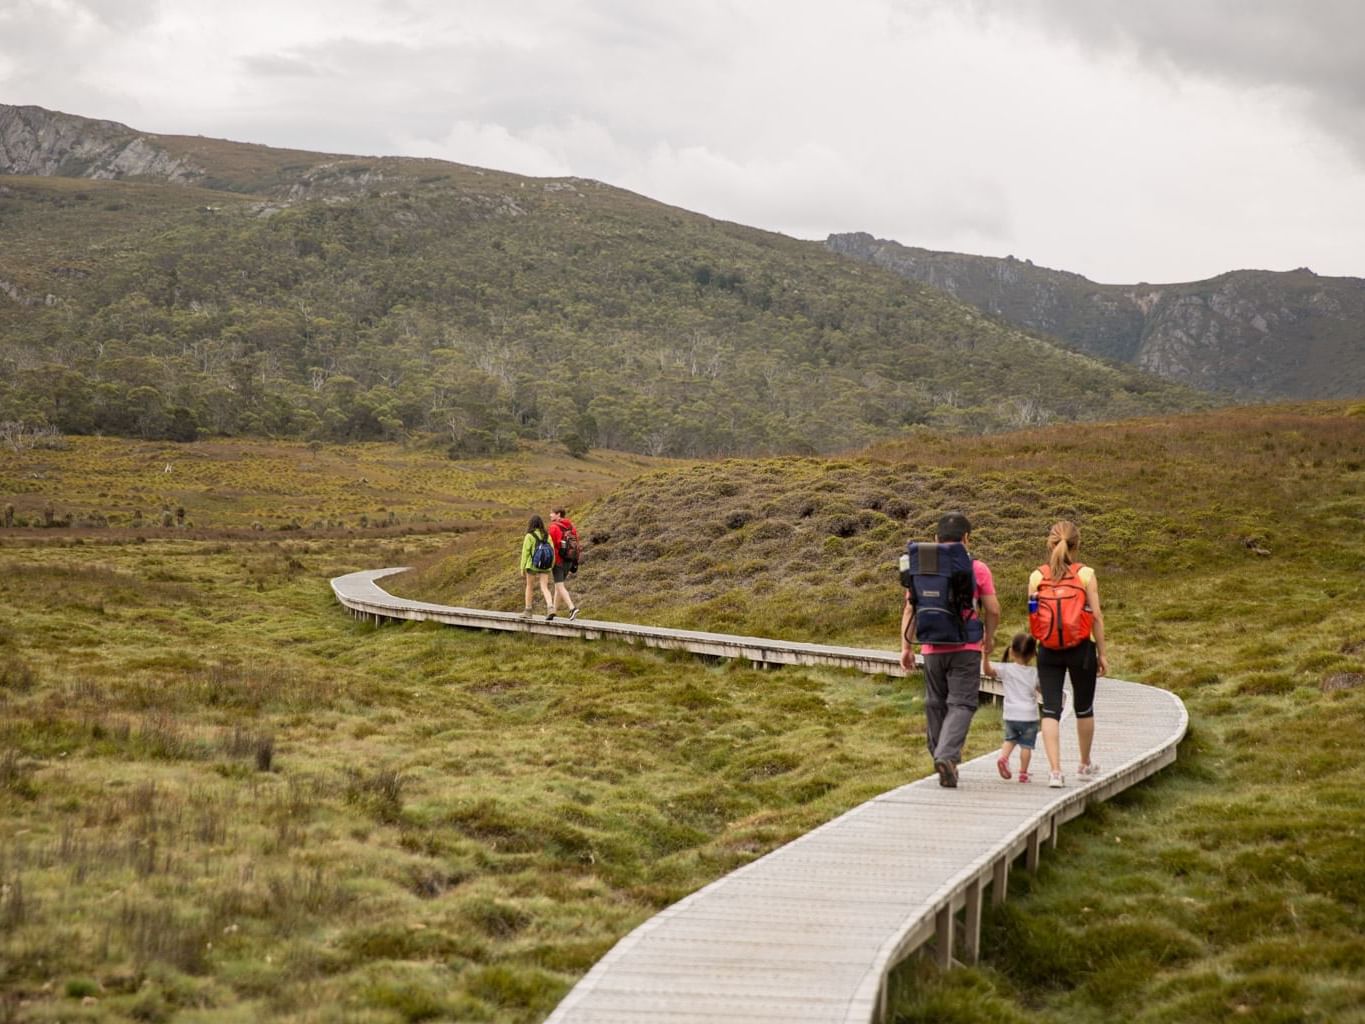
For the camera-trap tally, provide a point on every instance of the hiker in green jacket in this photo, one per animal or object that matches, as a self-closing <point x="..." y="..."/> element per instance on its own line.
<point x="536" y="534"/>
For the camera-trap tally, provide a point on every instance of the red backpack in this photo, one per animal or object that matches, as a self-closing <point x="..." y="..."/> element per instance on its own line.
<point x="1063" y="617"/>
<point x="569" y="550"/>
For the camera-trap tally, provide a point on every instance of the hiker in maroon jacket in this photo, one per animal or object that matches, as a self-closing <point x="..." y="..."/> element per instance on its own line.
<point x="564" y="537"/>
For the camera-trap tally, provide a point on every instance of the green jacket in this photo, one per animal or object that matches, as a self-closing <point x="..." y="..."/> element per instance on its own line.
<point x="527" y="543"/>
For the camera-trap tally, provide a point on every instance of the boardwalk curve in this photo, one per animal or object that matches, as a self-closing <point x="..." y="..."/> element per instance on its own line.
<point x="810" y="931"/>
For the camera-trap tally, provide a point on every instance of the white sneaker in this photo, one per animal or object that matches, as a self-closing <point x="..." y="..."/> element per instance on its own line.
<point x="1055" y="781"/>
<point x="1088" y="769"/>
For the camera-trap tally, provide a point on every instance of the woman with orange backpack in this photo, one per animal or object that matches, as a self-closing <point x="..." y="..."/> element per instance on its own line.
<point x="1064" y="616"/>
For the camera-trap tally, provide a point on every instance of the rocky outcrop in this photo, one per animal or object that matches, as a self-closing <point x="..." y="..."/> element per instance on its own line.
<point x="14" y="293"/>
<point x="45" y="142"/>
<point x="1251" y="333"/>
<point x="333" y="179"/>
<point x="1261" y="334"/>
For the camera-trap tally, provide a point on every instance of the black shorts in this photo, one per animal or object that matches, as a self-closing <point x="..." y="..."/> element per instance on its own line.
<point x="561" y="572"/>
<point x="1082" y="664"/>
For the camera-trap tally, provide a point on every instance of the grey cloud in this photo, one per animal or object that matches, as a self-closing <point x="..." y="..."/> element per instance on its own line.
<point x="425" y="88"/>
<point x="661" y="32"/>
<point x="47" y="61"/>
<point x="55" y="19"/>
<point x="431" y="86"/>
<point x="26" y="31"/>
<point x="1311" y="48"/>
<point x="352" y="96"/>
<point x="276" y="65"/>
<point x="123" y="15"/>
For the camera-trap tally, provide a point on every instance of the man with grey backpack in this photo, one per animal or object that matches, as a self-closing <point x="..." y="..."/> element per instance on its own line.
<point x="950" y="610"/>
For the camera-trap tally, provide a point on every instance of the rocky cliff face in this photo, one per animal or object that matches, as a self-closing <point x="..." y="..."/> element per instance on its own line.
<point x="35" y="141"/>
<point x="1250" y="333"/>
<point x="45" y="142"/>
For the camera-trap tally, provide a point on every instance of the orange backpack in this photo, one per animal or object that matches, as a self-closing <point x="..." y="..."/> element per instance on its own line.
<point x="1063" y="617"/>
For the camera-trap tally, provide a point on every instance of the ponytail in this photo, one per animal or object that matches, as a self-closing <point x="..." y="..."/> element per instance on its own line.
<point x="1062" y="541"/>
<point x="1023" y="647"/>
<point x="1057" y="560"/>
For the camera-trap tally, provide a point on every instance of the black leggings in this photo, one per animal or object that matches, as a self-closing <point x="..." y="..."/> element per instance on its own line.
<point x="1083" y="664"/>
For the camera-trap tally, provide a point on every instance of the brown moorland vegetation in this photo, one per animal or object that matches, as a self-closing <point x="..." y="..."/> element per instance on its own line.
<point x="223" y="799"/>
<point x="1231" y="551"/>
<point x="214" y="487"/>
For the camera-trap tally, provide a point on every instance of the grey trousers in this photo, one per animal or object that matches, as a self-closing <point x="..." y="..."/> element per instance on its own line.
<point x="952" y="684"/>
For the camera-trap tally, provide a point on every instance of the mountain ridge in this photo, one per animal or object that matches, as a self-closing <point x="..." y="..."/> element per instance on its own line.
<point x="230" y="288"/>
<point x="1253" y="334"/>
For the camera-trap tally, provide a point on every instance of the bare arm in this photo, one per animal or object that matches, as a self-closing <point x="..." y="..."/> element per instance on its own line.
<point x="1092" y="594"/>
<point x="990" y="618"/>
<point x="907" y="631"/>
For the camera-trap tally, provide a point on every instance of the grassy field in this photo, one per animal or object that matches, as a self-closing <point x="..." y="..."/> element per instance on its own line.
<point x="212" y="488"/>
<point x="224" y="799"/>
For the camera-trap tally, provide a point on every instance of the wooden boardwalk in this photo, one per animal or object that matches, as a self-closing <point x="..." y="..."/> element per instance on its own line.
<point x="360" y="592"/>
<point x="810" y="931"/>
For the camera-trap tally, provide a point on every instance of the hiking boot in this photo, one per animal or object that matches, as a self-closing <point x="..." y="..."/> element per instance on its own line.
<point x="1055" y="781"/>
<point x="947" y="774"/>
<point x="573" y="613"/>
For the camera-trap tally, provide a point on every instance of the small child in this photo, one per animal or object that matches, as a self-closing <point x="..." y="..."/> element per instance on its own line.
<point x="1021" y="704"/>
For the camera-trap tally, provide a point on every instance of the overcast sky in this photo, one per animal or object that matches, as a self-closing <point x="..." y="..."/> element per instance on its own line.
<point x="1127" y="140"/>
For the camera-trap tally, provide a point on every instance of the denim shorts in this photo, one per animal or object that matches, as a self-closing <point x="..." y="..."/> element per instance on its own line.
<point x="1023" y="733"/>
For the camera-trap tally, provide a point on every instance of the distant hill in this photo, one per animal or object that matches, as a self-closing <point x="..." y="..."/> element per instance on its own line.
<point x="1253" y="334"/>
<point x="168" y="286"/>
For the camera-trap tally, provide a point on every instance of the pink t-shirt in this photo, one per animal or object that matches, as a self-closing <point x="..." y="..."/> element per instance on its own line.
<point x="985" y="584"/>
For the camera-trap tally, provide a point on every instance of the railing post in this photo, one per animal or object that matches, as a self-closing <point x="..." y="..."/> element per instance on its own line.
<point x="1000" y="881"/>
<point x="1031" y="855"/>
<point x="1052" y="829"/>
<point x="943" y="936"/>
<point x="971" y="923"/>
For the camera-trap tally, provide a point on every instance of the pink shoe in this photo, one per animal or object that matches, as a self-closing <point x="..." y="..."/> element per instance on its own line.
<point x="1023" y="776"/>
<point x="1003" y="767"/>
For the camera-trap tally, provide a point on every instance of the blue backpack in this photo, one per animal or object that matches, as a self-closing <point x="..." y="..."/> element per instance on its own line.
<point x="542" y="555"/>
<point x="942" y="586"/>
